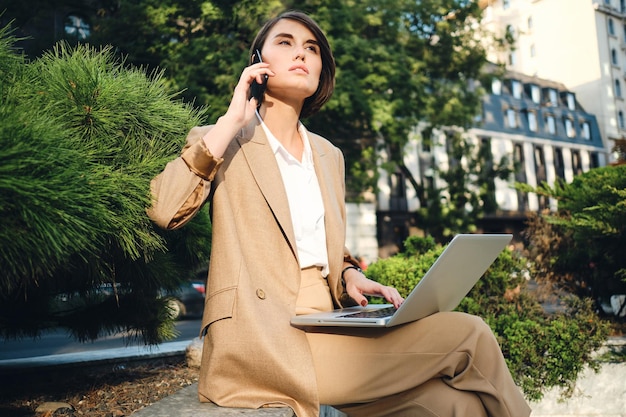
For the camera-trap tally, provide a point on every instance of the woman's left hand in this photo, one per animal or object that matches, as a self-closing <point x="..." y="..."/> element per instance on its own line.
<point x="358" y="286"/>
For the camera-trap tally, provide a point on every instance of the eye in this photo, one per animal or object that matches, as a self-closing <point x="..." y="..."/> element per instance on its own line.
<point x="284" y="42"/>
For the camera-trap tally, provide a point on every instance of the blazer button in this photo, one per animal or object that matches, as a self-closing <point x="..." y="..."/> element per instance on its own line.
<point x="260" y="293"/>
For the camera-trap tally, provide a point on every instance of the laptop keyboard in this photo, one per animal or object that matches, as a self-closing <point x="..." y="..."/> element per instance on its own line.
<point x="373" y="314"/>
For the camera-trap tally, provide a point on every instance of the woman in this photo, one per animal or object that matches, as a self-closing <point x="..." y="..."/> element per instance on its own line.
<point x="276" y="195"/>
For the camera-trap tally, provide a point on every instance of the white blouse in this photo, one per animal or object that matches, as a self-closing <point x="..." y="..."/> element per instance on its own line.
<point x="305" y="200"/>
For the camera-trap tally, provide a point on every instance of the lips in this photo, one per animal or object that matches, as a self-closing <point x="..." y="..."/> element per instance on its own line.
<point x="299" y="68"/>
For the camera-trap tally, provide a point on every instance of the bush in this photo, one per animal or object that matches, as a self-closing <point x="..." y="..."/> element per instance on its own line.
<point x="579" y="248"/>
<point x="542" y="350"/>
<point x="81" y="138"/>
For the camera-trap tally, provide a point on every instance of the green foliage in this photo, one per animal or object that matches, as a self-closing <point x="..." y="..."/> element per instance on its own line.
<point x="398" y="64"/>
<point x="10" y="61"/>
<point x="467" y="191"/>
<point x="391" y="56"/>
<point x="542" y="350"/>
<point x="81" y="138"/>
<point x="202" y="46"/>
<point x="415" y="246"/>
<point x="581" y="245"/>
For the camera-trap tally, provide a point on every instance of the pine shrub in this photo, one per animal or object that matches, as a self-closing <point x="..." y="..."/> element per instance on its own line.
<point x="81" y="136"/>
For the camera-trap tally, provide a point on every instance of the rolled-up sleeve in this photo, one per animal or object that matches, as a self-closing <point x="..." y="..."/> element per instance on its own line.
<point x="183" y="186"/>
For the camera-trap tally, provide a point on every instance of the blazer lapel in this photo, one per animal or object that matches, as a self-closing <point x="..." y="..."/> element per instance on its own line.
<point x="262" y="163"/>
<point x="333" y="223"/>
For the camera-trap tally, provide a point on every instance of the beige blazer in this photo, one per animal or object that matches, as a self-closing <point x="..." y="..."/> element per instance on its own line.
<point x="252" y="356"/>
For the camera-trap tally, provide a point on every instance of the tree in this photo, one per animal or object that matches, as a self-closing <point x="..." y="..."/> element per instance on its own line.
<point x="201" y="46"/>
<point x="579" y="248"/>
<point x="402" y="64"/>
<point x="399" y="63"/>
<point x="81" y="137"/>
<point x="468" y="191"/>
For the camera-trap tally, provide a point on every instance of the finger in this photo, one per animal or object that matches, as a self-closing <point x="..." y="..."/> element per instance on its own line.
<point x="358" y="297"/>
<point x="393" y="296"/>
<point x="259" y="70"/>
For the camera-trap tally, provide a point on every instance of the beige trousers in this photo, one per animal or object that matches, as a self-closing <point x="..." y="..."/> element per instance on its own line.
<point x="445" y="365"/>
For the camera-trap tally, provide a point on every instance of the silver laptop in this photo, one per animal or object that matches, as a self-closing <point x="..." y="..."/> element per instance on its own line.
<point x="447" y="282"/>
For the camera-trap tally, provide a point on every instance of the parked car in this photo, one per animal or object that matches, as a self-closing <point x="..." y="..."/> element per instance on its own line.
<point x="188" y="300"/>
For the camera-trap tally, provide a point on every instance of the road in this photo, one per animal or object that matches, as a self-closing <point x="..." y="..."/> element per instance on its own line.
<point x="59" y="342"/>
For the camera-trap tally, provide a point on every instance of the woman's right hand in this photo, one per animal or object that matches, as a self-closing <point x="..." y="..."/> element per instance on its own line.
<point x="240" y="111"/>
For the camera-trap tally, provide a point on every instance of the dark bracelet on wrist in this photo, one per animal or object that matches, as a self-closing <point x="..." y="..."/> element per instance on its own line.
<point x="343" y="281"/>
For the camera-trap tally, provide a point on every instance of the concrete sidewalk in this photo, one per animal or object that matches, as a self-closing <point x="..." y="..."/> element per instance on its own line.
<point x="601" y="394"/>
<point x="96" y="357"/>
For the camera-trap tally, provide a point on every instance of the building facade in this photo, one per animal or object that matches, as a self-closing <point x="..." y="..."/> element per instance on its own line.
<point x="580" y="43"/>
<point x="536" y="123"/>
<point x="543" y="128"/>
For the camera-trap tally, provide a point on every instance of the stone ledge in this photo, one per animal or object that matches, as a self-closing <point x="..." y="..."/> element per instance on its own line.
<point x="184" y="403"/>
<point x="601" y="394"/>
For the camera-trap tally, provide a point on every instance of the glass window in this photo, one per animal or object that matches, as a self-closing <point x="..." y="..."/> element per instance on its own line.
<point x="614" y="56"/>
<point x="426" y="143"/>
<point x="620" y="119"/>
<point x="552" y="97"/>
<point x="397" y="188"/>
<point x="77" y="27"/>
<point x="540" y="173"/>
<point x="611" y="27"/>
<point x="532" y="50"/>
<point x="577" y="165"/>
<point x="512" y="58"/>
<point x="569" y="127"/>
<point x="585" y="130"/>
<point x="540" y="162"/>
<point x="511" y="118"/>
<point x="618" y="89"/>
<point x="520" y="176"/>
<point x="532" y="121"/>
<point x="535" y="93"/>
<point x="507" y="3"/>
<point x="530" y="22"/>
<point x="559" y="164"/>
<point x="571" y="101"/>
<point x="496" y="86"/>
<point x="516" y="86"/>
<point x="551" y="124"/>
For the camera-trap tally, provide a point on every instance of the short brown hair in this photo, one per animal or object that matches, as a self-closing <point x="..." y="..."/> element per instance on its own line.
<point x="327" y="78"/>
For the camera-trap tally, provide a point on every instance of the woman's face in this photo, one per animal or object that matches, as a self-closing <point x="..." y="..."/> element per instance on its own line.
<point x="293" y="54"/>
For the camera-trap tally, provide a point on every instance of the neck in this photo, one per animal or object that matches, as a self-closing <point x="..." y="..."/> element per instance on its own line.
<point x="282" y="120"/>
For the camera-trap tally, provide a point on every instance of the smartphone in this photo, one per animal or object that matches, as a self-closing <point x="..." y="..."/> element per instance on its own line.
<point x="258" y="90"/>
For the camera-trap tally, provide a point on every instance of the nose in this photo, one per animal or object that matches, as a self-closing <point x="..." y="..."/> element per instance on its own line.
<point x="299" y="54"/>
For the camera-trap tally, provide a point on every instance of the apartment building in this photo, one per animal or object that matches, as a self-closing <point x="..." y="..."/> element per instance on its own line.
<point x="579" y="43"/>
<point x="543" y="127"/>
<point x="537" y="123"/>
